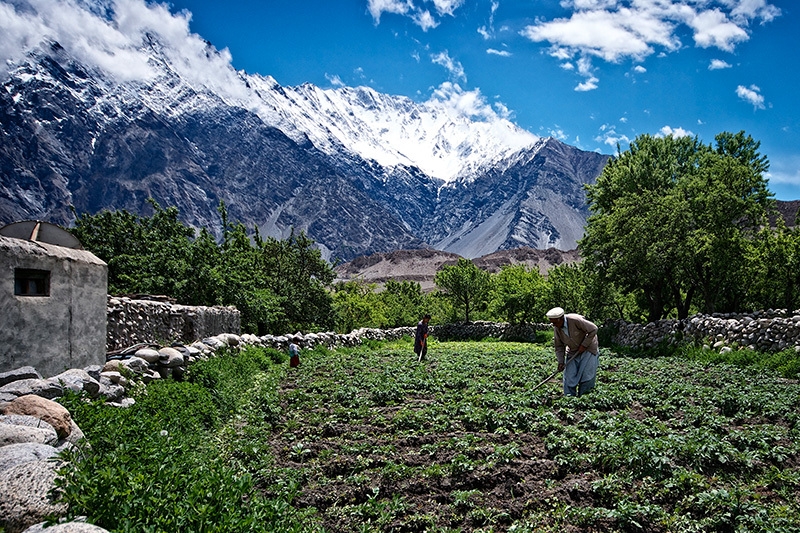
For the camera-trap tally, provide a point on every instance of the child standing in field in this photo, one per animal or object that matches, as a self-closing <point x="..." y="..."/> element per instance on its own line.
<point x="294" y="355"/>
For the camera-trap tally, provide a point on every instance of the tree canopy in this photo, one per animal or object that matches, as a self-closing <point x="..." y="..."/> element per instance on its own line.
<point x="466" y="285"/>
<point x="278" y="285"/>
<point x="673" y="219"/>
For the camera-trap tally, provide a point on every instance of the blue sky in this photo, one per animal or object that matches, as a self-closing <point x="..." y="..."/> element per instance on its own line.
<point x="592" y="73"/>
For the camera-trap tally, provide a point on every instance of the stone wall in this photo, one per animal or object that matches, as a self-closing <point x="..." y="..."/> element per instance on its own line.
<point x="765" y="331"/>
<point x="481" y="330"/>
<point x="137" y="321"/>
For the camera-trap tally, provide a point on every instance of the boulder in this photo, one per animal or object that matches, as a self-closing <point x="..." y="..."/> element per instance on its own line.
<point x="27" y="495"/>
<point x="112" y="366"/>
<point x="94" y="371"/>
<point x="213" y="342"/>
<point x="24" y="452"/>
<point x="229" y="339"/>
<point x="148" y="354"/>
<point x="25" y="372"/>
<point x="170" y="357"/>
<point x="112" y="392"/>
<point x="66" y="527"/>
<point x="78" y="380"/>
<point x="51" y="412"/>
<point x="75" y="435"/>
<point x="39" y="387"/>
<point x="16" y="434"/>
<point x="113" y="376"/>
<point x="135" y="364"/>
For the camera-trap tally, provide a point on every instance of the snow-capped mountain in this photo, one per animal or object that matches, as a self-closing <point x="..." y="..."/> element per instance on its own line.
<point x="153" y="111"/>
<point x="446" y="137"/>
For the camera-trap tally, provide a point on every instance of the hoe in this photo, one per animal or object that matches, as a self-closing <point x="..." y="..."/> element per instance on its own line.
<point x="551" y="376"/>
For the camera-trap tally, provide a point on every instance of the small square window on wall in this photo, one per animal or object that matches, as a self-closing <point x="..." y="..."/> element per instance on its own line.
<point x="31" y="282"/>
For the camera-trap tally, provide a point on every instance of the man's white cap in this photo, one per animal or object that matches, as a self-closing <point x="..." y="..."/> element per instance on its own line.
<point x="555" y="312"/>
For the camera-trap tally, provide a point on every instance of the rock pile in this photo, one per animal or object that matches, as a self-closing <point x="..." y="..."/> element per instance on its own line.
<point x="33" y="430"/>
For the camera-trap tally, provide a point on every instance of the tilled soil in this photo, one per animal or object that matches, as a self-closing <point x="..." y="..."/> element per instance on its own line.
<point x="452" y="479"/>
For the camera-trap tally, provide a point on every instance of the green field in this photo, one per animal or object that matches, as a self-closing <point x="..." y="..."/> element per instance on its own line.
<point x="368" y="439"/>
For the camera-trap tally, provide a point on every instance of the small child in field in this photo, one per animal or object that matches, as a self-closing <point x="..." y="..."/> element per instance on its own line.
<point x="294" y="355"/>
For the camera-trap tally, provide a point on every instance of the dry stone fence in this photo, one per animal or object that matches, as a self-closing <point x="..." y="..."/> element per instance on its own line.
<point x="765" y="331"/>
<point x="150" y="340"/>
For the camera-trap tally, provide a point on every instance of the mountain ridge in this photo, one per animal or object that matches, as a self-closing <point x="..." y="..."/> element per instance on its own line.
<point x="420" y="266"/>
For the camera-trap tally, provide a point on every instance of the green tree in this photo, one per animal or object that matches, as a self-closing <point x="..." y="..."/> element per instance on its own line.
<point x="775" y="262"/>
<point x="206" y="286"/>
<point x="357" y="306"/>
<point x="145" y="255"/>
<point x="671" y="219"/>
<point x="566" y="287"/>
<point x="278" y="285"/>
<point x="466" y="285"/>
<point x="517" y="294"/>
<point x="243" y="283"/>
<point x="403" y="303"/>
<point x="295" y="271"/>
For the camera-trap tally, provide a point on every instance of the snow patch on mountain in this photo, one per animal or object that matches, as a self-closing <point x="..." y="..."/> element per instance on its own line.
<point x="450" y="135"/>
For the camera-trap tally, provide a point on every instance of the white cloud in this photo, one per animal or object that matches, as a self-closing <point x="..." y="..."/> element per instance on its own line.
<point x="616" y="30"/>
<point x="586" y="70"/>
<point x="471" y="104"/>
<point x="713" y="28"/>
<point x="561" y="54"/>
<point x="334" y="80"/>
<point x="589" y="85"/>
<point x="424" y="20"/>
<point x="753" y="9"/>
<point x="421" y="17"/>
<point x="118" y="44"/>
<point x="589" y="4"/>
<point x="609" y="136"/>
<point x="717" y="64"/>
<point x="668" y="131"/>
<point x="609" y="35"/>
<point x="503" y="110"/>
<point x="751" y="95"/>
<point x="455" y="68"/>
<point x="639" y="69"/>
<point x="89" y="37"/>
<point x="397" y="7"/>
<point x="502" y="53"/>
<point x="488" y="32"/>
<point x="447" y="7"/>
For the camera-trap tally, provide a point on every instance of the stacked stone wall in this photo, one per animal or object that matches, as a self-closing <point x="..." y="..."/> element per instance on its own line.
<point x="482" y="330"/>
<point x="765" y="331"/>
<point x="132" y="321"/>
